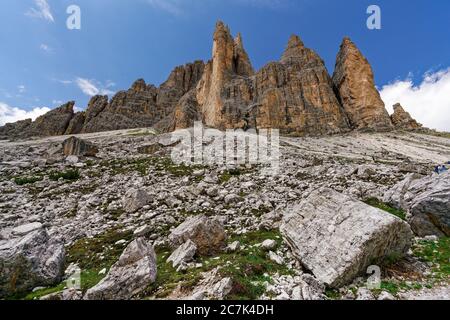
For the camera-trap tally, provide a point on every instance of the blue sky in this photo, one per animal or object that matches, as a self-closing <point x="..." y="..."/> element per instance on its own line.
<point x="44" y="64"/>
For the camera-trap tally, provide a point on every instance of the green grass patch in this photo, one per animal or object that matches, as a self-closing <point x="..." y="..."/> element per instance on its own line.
<point x="437" y="253"/>
<point x="374" y="202"/>
<point x="246" y="267"/>
<point x="20" y="181"/>
<point x="46" y="291"/>
<point x="69" y="175"/>
<point x="94" y="254"/>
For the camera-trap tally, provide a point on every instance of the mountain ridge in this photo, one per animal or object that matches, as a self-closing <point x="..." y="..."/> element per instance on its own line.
<point x="295" y="94"/>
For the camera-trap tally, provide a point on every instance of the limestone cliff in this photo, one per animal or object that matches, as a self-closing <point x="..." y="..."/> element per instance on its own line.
<point x="354" y="83"/>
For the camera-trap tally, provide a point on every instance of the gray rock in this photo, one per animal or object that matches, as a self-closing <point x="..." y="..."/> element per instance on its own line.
<point x="364" y="294"/>
<point x="427" y="202"/>
<point x="134" y="200"/>
<point x="26" y="228"/>
<point x="184" y="253"/>
<point x="31" y="261"/>
<point x="68" y="294"/>
<point x="276" y="258"/>
<point x="131" y="275"/>
<point x="221" y="289"/>
<point x="338" y="237"/>
<point x="208" y="234"/>
<point x="233" y="247"/>
<point x="309" y="289"/>
<point x="385" y="296"/>
<point x="142" y="231"/>
<point x="269" y="244"/>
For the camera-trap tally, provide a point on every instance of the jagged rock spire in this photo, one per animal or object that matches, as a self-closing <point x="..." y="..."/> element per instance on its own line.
<point x="354" y="82"/>
<point x="229" y="59"/>
<point x="294" y="48"/>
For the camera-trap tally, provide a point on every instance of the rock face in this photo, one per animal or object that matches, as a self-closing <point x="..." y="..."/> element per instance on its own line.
<point x="132" y="274"/>
<point x="229" y="61"/>
<point x="53" y="123"/>
<point x="426" y="200"/>
<point x="208" y="234"/>
<point x="14" y="130"/>
<point x="354" y="82"/>
<point x="30" y="261"/>
<point x="76" y="123"/>
<point x="142" y="105"/>
<point x="295" y="95"/>
<point x="403" y="120"/>
<point x="78" y="147"/>
<point x="337" y="237"/>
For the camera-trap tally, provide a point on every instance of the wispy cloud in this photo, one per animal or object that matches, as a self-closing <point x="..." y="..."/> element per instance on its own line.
<point x="10" y="114"/>
<point x="181" y="7"/>
<point x="93" y="87"/>
<point x="173" y="7"/>
<point x="44" y="47"/>
<point x="21" y="88"/>
<point x="428" y="102"/>
<point x="42" y="11"/>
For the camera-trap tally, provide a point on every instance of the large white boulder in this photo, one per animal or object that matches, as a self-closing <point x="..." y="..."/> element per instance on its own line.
<point x="338" y="237"/>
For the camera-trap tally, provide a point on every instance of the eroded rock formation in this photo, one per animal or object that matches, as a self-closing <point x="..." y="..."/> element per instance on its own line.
<point x="354" y="83"/>
<point x="296" y="95"/>
<point x="403" y="120"/>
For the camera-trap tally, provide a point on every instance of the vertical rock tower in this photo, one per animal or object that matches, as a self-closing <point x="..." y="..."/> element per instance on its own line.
<point x="354" y="83"/>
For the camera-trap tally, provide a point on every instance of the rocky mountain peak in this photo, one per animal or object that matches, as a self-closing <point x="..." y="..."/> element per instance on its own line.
<point x="139" y="85"/>
<point x="353" y="80"/>
<point x="293" y="49"/>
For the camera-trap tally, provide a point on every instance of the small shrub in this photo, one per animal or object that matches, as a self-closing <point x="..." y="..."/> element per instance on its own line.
<point x="27" y="180"/>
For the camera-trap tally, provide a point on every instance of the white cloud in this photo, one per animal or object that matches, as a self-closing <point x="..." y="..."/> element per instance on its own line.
<point x="42" y="11"/>
<point x="11" y="114"/>
<point x="21" y="88"/>
<point x="46" y="48"/>
<point x="93" y="87"/>
<point x="428" y="102"/>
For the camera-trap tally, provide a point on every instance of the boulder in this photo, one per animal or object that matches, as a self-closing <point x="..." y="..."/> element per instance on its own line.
<point x="184" y="253"/>
<point x="30" y="261"/>
<point x="135" y="199"/>
<point x="128" y="277"/>
<point x="337" y="237"/>
<point x="208" y="234"/>
<point x="77" y="147"/>
<point x="426" y="201"/>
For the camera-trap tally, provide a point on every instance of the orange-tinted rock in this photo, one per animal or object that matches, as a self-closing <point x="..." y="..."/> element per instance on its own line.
<point x="403" y="120"/>
<point x="354" y="82"/>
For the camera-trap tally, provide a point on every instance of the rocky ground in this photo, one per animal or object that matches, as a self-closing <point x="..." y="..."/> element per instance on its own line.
<point x="147" y="228"/>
